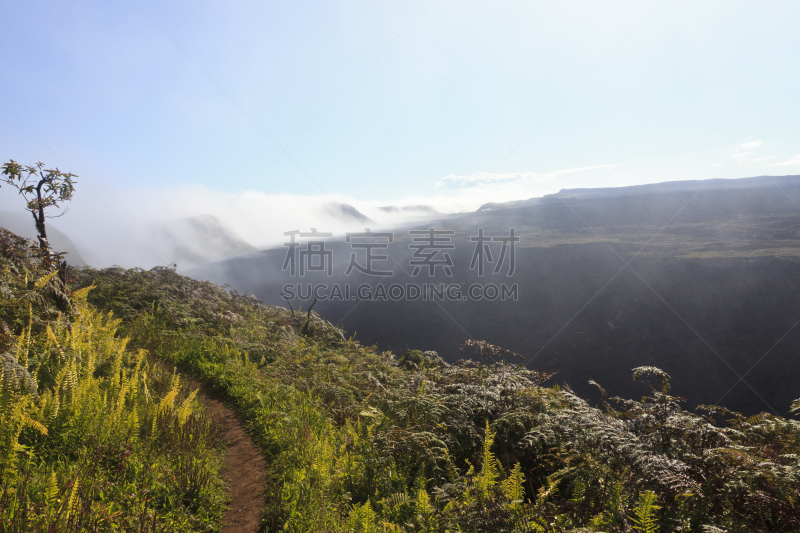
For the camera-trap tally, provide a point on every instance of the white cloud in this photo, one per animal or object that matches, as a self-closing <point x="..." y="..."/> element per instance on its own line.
<point x="117" y="229"/>
<point x="452" y="181"/>
<point x="752" y="145"/>
<point x="793" y="162"/>
<point x="743" y="153"/>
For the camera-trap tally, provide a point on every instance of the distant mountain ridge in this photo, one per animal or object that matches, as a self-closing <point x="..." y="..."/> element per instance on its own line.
<point x="345" y="213"/>
<point x="650" y="188"/>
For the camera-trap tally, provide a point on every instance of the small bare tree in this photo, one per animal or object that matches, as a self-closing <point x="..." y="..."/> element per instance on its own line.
<point x="42" y="189"/>
<point x="488" y="351"/>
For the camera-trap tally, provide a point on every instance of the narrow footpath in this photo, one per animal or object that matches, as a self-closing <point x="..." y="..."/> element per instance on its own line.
<point x="244" y="467"/>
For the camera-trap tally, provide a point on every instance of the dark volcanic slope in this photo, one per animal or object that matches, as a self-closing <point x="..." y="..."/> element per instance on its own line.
<point x="702" y="281"/>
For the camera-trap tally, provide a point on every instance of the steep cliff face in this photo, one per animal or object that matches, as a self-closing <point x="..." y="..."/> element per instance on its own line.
<point x="698" y="278"/>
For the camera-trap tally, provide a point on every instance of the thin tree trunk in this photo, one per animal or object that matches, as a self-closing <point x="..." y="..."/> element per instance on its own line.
<point x="43" y="242"/>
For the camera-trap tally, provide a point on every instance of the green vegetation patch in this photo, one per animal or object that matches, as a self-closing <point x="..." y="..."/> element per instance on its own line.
<point x="94" y="436"/>
<point x="362" y="441"/>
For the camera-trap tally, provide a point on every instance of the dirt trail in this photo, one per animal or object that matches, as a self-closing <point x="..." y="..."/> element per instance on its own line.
<point x="244" y="467"/>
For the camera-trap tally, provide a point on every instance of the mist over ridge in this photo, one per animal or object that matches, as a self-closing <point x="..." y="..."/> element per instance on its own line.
<point x="696" y="278"/>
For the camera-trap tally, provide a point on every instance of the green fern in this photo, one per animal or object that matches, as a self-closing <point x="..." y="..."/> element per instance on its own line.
<point x="363" y="519"/>
<point x="645" y="513"/>
<point x="513" y="487"/>
<point x="489" y="469"/>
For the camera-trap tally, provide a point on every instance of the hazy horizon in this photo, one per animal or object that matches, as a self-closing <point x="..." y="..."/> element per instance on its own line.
<point x="130" y="236"/>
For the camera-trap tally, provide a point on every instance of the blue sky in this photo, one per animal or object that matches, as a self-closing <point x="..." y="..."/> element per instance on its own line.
<point x="444" y="102"/>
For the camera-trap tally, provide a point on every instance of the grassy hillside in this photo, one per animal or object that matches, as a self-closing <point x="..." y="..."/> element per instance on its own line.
<point x="95" y="435"/>
<point x="96" y="428"/>
<point x="358" y="440"/>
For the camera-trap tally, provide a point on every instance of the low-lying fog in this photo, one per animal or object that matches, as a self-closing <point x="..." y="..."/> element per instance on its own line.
<point x="192" y="226"/>
<point x="136" y="227"/>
